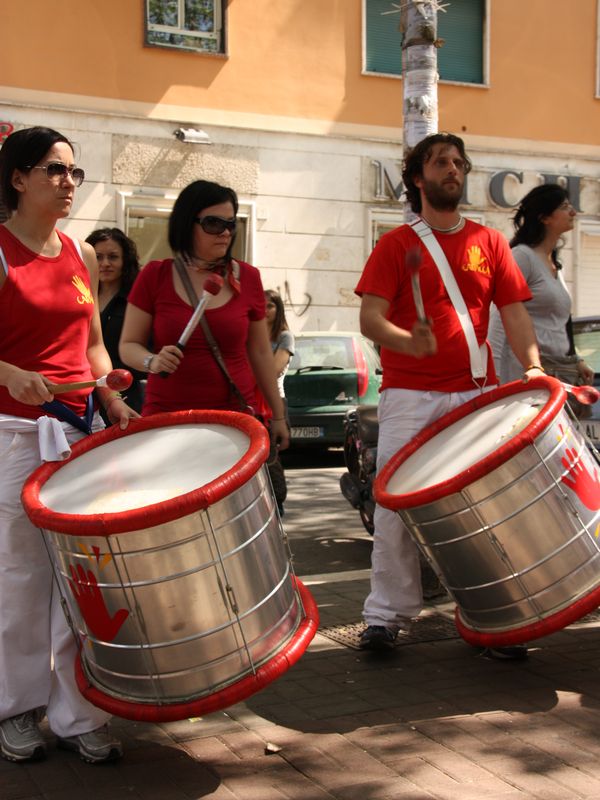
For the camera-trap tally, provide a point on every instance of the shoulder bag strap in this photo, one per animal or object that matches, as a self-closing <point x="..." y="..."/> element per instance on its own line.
<point x="478" y="355"/>
<point x="214" y="347"/>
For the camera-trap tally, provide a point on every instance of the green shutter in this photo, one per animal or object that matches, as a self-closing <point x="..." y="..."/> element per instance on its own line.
<point x="384" y="41"/>
<point x="461" y="27"/>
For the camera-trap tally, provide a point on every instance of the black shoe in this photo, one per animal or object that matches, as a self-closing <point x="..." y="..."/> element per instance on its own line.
<point x="516" y="652"/>
<point x="377" y="637"/>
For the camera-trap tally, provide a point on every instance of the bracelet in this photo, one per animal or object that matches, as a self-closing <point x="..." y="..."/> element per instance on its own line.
<point x="535" y="366"/>
<point x="114" y="396"/>
<point x="277" y="419"/>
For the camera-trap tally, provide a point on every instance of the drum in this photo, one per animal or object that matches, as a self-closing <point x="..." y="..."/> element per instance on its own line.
<point x="502" y="495"/>
<point x="173" y="564"/>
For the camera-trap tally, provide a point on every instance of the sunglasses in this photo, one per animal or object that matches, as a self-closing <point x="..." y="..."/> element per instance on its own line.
<point x="57" y="170"/>
<point x="216" y="225"/>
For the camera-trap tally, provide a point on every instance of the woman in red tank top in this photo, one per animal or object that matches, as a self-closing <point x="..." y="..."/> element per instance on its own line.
<point x="49" y="333"/>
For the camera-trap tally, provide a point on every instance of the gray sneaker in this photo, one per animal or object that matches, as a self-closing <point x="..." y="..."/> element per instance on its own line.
<point x="94" y="747"/>
<point x="21" y="739"/>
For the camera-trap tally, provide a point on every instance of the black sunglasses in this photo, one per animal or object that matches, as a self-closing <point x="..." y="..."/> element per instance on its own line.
<point x="55" y="169"/>
<point x="216" y="225"/>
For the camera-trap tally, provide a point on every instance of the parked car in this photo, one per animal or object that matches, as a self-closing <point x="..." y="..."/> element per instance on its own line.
<point x="329" y="374"/>
<point x="586" y="331"/>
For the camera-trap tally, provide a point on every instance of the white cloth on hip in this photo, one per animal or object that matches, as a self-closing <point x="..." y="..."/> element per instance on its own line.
<point x="52" y="433"/>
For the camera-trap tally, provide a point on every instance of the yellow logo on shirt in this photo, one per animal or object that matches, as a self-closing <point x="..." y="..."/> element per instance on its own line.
<point x="86" y="295"/>
<point x="476" y="262"/>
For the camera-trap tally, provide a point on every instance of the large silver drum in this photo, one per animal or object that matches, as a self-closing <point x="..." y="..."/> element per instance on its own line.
<point x="173" y="564"/>
<point x="503" y="497"/>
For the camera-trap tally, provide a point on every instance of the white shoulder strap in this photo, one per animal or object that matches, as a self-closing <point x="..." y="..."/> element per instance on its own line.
<point x="477" y="355"/>
<point x="3" y="261"/>
<point x="77" y="244"/>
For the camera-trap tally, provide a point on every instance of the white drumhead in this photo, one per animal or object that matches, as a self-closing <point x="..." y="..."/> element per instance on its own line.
<point x="145" y="468"/>
<point x="466" y="442"/>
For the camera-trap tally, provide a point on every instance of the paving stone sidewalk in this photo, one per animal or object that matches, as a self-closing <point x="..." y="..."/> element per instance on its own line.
<point x="431" y="720"/>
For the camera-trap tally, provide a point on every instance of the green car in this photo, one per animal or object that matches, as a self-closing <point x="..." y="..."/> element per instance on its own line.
<point x="329" y="374"/>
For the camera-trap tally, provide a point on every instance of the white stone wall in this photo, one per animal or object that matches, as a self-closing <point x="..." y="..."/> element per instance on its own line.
<point x="312" y="195"/>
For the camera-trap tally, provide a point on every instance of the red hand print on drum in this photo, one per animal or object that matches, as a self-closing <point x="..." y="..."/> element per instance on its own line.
<point x="92" y="606"/>
<point x="579" y="480"/>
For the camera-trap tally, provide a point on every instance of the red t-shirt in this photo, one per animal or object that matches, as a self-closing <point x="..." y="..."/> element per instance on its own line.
<point x="198" y="381"/>
<point x="485" y="272"/>
<point x="46" y="306"/>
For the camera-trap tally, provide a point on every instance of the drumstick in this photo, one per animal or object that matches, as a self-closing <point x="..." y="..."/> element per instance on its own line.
<point x="413" y="264"/>
<point x="586" y="395"/>
<point x="212" y="286"/>
<point x="117" y="379"/>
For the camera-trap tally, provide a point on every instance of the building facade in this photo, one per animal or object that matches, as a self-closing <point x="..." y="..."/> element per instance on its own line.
<point x="298" y="106"/>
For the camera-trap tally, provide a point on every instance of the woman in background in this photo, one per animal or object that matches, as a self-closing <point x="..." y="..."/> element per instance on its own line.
<point x="543" y="216"/>
<point x="118" y="267"/>
<point x="282" y="344"/>
<point x="282" y="339"/>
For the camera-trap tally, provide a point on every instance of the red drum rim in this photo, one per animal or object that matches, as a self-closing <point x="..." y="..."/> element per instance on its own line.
<point x="534" y="630"/>
<point x="238" y="691"/>
<point x="421" y="497"/>
<point x="157" y="513"/>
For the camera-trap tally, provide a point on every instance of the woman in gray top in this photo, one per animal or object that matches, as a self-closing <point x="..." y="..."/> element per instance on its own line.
<point x="543" y="216"/>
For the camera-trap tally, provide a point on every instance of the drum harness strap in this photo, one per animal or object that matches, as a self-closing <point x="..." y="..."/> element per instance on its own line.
<point x="478" y="355"/>
<point x="214" y="347"/>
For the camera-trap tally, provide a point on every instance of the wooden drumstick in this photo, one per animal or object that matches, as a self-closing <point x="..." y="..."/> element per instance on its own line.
<point x="118" y="380"/>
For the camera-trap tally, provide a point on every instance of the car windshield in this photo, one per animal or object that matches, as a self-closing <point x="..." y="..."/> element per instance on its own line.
<point x="587" y="344"/>
<point x="323" y="351"/>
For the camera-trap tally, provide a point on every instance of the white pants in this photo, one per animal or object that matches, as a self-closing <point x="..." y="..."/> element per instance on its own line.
<point x="33" y="628"/>
<point x="396" y="596"/>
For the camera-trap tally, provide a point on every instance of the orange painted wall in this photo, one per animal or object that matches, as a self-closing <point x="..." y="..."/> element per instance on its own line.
<point x="302" y="58"/>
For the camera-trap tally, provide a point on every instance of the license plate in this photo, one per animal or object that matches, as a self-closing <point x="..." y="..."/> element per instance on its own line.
<point x="593" y="430"/>
<point x="307" y="432"/>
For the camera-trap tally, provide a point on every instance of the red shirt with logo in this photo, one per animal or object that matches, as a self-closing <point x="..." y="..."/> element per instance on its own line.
<point x="46" y="306"/>
<point x="485" y="272"/>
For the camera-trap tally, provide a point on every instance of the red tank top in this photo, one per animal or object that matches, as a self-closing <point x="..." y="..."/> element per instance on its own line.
<point x="46" y="306"/>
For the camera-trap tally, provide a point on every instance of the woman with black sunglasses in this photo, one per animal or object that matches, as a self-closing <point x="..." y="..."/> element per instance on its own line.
<point x="201" y="234"/>
<point x="49" y="333"/>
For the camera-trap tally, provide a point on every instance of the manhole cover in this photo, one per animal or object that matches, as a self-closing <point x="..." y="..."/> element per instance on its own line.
<point x="428" y="628"/>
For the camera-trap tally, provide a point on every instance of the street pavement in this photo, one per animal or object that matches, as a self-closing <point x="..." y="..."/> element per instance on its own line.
<point x="433" y="719"/>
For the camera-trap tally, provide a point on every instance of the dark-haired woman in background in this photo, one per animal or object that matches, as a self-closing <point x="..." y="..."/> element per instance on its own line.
<point x="201" y="234"/>
<point x="543" y="216"/>
<point x="118" y="267"/>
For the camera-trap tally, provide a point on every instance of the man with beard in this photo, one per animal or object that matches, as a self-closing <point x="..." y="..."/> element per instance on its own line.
<point x="427" y="364"/>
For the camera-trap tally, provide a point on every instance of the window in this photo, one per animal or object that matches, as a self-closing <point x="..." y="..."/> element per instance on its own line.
<point x="461" y="26"/>
<point x="195" y="25"/>
<point x="145" y="218"/>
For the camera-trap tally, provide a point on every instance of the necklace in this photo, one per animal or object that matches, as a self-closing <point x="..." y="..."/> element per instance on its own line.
<point x="444" y="230"/>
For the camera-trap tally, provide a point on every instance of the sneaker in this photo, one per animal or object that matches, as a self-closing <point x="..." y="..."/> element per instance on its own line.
<point x="21" y="739"/>
<point x="377" y="637"/>
<point x="516" y="652"/>
<point x="94" y="747"/>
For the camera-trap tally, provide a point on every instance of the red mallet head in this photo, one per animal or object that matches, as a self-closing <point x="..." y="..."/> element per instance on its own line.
<point x="119" y="379"/>
<point x="213" y="284"/>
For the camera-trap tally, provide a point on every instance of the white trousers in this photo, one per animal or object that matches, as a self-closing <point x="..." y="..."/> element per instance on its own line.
<point x="33" y="628"/>
<point x="396" y="595"/>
